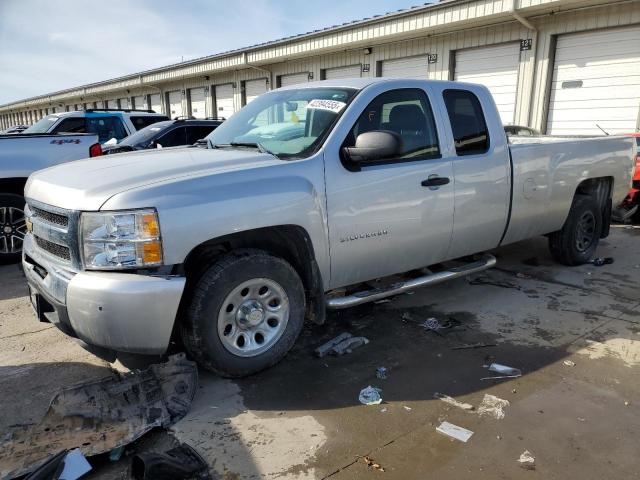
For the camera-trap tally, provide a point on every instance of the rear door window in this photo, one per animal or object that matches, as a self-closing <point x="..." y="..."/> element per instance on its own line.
<point x="469" y="127"/>
<point x="71" y="125"/>
<point x="197" y="132"/>
<point x="141" y="121"/>
<point x="174" y="138"/>
<point x="106" y="128"/>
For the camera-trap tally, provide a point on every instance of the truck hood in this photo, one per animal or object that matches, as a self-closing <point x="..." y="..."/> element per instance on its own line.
<point x="88" y="184"/>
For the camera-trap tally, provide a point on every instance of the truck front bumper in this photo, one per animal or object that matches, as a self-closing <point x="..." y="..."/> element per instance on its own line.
<point x="122" y="312"/>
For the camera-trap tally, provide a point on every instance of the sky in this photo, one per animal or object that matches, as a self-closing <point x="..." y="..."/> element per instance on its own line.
<point x="50" y="45"/>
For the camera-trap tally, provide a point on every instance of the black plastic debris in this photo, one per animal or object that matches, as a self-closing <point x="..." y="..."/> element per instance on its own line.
<point x="600" y="261"/>
<point x="180" y="463"/>
<point x="343" y="343"/>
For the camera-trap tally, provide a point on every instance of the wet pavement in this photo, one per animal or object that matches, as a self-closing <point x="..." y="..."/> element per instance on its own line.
<point x="302" y="419"/>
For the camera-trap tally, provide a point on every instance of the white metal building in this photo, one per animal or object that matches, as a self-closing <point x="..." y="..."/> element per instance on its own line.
<point x="566" y="67"/>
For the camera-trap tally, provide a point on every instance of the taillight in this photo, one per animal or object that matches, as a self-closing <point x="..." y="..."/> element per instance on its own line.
<point x="95" y="150"/>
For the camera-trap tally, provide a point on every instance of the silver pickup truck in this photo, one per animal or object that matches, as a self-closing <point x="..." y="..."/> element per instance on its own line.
<point x="20" y="156"/>
<point x="300" y="198"/>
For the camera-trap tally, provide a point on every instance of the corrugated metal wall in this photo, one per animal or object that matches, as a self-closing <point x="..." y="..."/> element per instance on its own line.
<point x="328" y="51"/>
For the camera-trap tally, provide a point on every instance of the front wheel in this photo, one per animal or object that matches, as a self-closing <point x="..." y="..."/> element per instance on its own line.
<point x="245" y="313"/>
<point x="576" y="242"/>
<point x="13" y="227"/>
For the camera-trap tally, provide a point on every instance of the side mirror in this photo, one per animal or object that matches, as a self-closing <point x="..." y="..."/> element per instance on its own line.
<point x="375" y="145"/>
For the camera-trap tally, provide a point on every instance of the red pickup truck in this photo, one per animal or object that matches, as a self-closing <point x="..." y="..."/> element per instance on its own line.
<point x="630" y="207"/>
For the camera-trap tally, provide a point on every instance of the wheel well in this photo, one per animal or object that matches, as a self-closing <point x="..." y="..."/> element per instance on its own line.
<point x="290" y="242"/>
<point x="601" y="189"/>
<point x="13" y="185"/>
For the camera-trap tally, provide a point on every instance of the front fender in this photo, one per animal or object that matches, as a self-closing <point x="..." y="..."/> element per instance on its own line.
<point x="195" y="210"/>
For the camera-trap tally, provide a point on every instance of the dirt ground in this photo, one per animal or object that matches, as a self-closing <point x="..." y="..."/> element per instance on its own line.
<point x="574" y="333"/>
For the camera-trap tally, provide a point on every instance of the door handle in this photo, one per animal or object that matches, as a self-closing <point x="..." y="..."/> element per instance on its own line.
<point x="435" y="181"/>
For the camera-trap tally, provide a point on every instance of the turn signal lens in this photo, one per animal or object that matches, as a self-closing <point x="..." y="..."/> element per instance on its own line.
<point x="151" y="252"/>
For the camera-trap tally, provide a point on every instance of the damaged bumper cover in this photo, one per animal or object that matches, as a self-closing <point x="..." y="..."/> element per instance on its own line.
<point x="122" y="312"/>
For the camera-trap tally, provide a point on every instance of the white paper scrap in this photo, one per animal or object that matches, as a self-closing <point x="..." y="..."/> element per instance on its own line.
<point x="455" y="431"/>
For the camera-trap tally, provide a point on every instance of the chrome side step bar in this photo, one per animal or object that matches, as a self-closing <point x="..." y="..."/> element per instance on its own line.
<point x="485" y="262"/>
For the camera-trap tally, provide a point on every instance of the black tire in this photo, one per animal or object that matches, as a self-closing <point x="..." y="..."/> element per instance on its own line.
<point x="9" y="231"/>
<point x="199" y="327"/>
<point x="576" y="242"/>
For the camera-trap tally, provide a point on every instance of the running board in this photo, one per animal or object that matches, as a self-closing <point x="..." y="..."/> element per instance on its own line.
<point x="485" y="262"/>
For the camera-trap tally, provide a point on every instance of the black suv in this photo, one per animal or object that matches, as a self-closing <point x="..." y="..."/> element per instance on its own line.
<point x="170" y="133"/>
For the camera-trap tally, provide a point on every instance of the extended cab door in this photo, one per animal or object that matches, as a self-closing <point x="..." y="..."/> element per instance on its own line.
<point x="388" y="216"/>
<point x="481" y="169"/>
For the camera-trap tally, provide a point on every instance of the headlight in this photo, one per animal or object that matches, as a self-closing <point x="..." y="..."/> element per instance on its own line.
<point x="120" y="240"/>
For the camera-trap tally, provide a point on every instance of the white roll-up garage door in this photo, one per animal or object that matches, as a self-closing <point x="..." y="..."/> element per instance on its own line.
<point x="156" y="102"/>
<point x="352" y="71"/>
<point x="293" y="79"/>
<point x="596" y="81"/>
<point x="254" y="88"/>
<point x="124" y="103"/>
<point x="495" y="67"/>
<point x="112" y="104"/>
<point x="224" y="101"/>
<point x="197" y="100"/>
<point x="140" y="102"/>
<point x="175" y="104"/>
<point x="410" y="67"/>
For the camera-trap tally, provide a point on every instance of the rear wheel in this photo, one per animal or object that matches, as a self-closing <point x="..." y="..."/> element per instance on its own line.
<point x="13" y="227"/>
<point x="245" y="313"/>
<point x="578" y="239"/>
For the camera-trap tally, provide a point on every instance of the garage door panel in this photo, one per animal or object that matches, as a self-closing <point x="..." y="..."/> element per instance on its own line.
<point x="175" y="104"/>
<point x="156" y="102"/>
<point x="495" y="67"/>
<point x="198" y="103"/>
<point x="596" y="79"/>
<point x="254" y="88"/>
<point x="294" y="79"/>
<point x="225" y="106"/>
<point x="412" y="67"/>
<point x="351" y="71"/>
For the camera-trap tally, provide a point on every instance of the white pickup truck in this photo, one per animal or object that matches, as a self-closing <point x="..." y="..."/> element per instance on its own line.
<point x="301" y="198"/>
<point x="20" y="156"/>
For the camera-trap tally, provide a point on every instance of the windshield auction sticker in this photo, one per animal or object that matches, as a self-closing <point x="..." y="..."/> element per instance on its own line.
<point x="331" y="105"/>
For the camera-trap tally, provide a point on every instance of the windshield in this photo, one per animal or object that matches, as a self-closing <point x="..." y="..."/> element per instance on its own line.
<point x="288" y="123"/>
<point x="43" y="126"/>
<point x="143" y="136"/>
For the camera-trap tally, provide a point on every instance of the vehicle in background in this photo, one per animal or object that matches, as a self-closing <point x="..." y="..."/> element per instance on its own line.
<point x="521" y="131"/>
<point x="300" y="202"/>
<point x="20" y="156"/>
<point x="108" y="124"/>
<point x="630" y="206"/>
<point x="14" y="129"/>
<point x="168" y="133"/>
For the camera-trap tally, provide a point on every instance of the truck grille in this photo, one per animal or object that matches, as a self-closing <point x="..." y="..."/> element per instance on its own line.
<point x="54" y="249"/>
<point x="52" y="230"/>
<point x="55" y="218"/>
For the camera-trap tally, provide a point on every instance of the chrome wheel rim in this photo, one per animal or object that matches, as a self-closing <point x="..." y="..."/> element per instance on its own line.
<point x="585" y="232"/>
<point x="13" y="228"/>
<point x="253" y="317"/>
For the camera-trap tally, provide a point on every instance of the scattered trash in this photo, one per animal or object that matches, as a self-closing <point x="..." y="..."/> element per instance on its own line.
<point x="383" y="410"/>
<point x="179" y="463"/>
<point x="493" y="406"/>
<point x="408" y="409"/>
<point x="452" y="401"/>
<point x="582" y="419"/>
<point x="116" y="453"/>
<point x="600" y="261"/>
<point x="370" y="396"/>
<point x="382" y="373"/>
<point x="503" y="369"/>
<point x="473" y="345"/>
<point x="527" y="460"/>
<point x="569" y="363"/>
<point x="626" y="403"/>
<point x="371" y="463"/>
<point x="75" y="465"/>
<point x="432" y="324"/>
<point x="66" y="465"/>
<point x="454" y="431"/>
<point x="102" y="415"/>
<point x="343" y="343"/>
